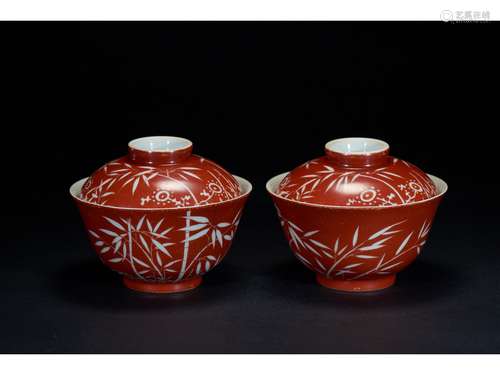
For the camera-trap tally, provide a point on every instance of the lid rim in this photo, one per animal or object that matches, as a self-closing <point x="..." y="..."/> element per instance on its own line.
<point x="441" y="184"/>
<point x="245" y="186"/>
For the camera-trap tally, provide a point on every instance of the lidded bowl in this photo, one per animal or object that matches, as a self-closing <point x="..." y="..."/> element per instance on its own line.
<point x="161" y="216"/>
<point x="356" y="216"/>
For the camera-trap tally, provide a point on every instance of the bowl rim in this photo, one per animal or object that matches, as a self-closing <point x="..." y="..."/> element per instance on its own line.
<point x="279" y="177"/>
<point x="75" y="188"/>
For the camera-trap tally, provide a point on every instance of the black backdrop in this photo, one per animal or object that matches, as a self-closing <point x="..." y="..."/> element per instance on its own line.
<point x="258" y="98"/>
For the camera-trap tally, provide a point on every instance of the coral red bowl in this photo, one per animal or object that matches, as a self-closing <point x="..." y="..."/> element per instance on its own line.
<point x="354" y="248"/>
<point x="162" y="250"/>
<point x="161" y="216"/>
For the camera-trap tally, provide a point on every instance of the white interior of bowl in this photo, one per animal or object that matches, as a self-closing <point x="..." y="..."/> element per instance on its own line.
<point x="74" y="190"/>
<point x="273" y="183"/>
<point x="160" y="144"/>
<point x="356" y="146"/>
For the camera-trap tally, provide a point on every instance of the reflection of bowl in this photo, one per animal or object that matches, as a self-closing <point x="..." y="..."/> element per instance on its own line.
<point x="162" y="250"/>
<point x="356" y="248"/>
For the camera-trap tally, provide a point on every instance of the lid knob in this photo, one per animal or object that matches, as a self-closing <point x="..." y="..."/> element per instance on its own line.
<point x="159" y="150"/>
<point x="358" y="152"/>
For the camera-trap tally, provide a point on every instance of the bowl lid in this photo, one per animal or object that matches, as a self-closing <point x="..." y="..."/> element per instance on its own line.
<point x="357" y="172"/>
<point x="159" y="172"/>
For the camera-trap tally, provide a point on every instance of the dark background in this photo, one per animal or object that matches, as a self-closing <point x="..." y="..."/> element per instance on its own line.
<point x="258" y="98"/>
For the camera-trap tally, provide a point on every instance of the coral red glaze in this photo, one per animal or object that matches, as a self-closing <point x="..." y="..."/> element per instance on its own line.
<point x="161" y="248"/>
<point x="357" y="172"/>
<point x="348" y="227"/>
<point x="152" y="177"/>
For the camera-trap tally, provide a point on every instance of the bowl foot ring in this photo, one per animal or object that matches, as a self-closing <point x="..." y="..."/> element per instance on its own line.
<point x="152" y="287"/>
<point x="366" y="285"/>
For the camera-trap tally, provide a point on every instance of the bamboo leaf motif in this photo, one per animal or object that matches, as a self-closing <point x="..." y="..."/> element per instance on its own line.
<point x="391" y="266"/>
<point x="152" y="175"/>
<point x="158" y="259"/>
<point x="302" y="258"/>
<point x="341" y="251"/>
<point x="376" y="245"/>
<point x="128" y="181"/>
<point x="213" y="239"/>
<point x="127" y="222"/>
<point x="380" y="261"/>
<point x="157" y="226"/>
<point x="199" y="219"/>
<point x="383" y="231"/>
<point x="320" y="264"/>
<point x="365" y="256"/>
<point x="134" y="186"/>
<point x="171" y="263"/>
<point x="162" y="234"/>
<point x="109" y="232"/>
<point x="349" y="266"/>
<point x="319" y="244"/>
<point x="140" y="262"/>
<point x="144" y="243"/>
<point x="336" y="246"/>
<point x="191" y="174"/>
<point x="117" y="239"/>
<point x="150" y="227"/>
<point x="236" y="218"/>
<point x="194" y="227"/>
<point x="311" y="233"/>
<point x="197" y="235"/>
<point x="115" y="223"/>
<point x="219" y="236"/>
<point x="190" y="168"/>
<point x="355" y="237"/>
<point x="117" y="245"/>
<point x="160" y="247"/>
<point x="294" y="226"/>
<point x="328" y="255"/>
<point x="403" y="244"/>
<point x="295" y="237"/>
<point x="310" y="248"/>
<point x="422" y="229"/>
<point x="330" y="185"/>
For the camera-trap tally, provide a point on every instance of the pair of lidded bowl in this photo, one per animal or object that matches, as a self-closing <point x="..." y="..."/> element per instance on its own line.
<point x="163" y="217"/>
